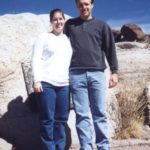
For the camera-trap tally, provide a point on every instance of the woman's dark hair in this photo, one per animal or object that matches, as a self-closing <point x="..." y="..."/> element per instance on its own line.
<point x="92" y="1"/>
<point x="52" y="12"/>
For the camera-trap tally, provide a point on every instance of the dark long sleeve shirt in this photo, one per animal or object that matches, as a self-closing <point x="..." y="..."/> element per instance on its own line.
<point x="91" y="41"/>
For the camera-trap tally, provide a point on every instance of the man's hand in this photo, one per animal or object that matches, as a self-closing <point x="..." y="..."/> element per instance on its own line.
<point x="38" y="87"/>
<point x="113" y="80"/>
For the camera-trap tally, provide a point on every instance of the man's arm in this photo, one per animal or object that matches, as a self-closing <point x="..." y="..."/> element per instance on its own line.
<point x="110" y="51"/>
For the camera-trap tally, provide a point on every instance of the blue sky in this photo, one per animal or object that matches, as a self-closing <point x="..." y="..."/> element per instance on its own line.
<point x="114" y="12"/>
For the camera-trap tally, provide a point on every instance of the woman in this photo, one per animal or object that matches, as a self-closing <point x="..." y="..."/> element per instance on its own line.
<point x="50" y="63"/>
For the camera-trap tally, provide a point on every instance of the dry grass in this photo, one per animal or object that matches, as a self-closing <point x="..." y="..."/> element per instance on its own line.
<point x="132" y="104"/>
<point x="134" y="130"/>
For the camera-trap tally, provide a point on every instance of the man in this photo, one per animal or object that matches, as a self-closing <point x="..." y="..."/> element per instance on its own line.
<point x="92" y="41"/>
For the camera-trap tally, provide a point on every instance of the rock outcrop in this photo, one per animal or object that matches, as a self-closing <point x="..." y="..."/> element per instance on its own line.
<point x="132" y="32"/>
<point x="117" y="35"/>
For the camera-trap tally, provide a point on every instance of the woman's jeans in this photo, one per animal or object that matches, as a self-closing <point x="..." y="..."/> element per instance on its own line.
<point x="88" y="89"/>
<point x="53" y="105"/>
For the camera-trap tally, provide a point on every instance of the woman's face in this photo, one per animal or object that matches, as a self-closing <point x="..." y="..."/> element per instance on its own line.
<point x="58" y="22"/>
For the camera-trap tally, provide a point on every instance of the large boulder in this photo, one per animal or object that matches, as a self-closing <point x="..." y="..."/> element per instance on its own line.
<point x="132" y="32"/>
<point x="117" y="35"/>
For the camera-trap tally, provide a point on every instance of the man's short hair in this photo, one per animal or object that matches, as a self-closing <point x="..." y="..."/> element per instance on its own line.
<point x="92" y="1"/>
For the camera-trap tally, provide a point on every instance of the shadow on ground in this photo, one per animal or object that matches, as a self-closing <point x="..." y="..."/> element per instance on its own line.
<point x="20" y="124"/>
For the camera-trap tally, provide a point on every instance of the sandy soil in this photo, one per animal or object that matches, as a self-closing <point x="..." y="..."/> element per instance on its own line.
<point x="133" y="144"/>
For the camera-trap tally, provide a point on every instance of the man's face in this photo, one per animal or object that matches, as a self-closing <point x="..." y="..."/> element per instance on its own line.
<point x="85" y="7"/>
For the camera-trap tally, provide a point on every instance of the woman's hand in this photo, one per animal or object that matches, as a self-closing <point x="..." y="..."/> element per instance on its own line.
<point x="38" y="87"/>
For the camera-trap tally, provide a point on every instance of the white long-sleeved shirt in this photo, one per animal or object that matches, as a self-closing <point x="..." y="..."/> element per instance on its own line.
<point x="51" y="59"/>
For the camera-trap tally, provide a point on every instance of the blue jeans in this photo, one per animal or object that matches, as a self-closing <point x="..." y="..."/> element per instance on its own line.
<point x="88" y="89"/>
<point x="53" y="105"/>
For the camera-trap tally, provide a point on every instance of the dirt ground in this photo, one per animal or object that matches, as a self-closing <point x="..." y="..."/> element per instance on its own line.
<point x="130" y="144"/>
<point x="133" y="144"/>
<point x="135" y="147"/>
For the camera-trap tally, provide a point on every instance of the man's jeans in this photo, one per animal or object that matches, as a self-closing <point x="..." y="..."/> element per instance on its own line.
<point x="53" y="105"/>
<point x="88" y="91"/>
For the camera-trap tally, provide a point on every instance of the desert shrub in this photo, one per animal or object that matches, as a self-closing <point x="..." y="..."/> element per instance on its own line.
<point x="127" y="45"/>
<point x="132" y="105"/>
<point x="134" y="130"/>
